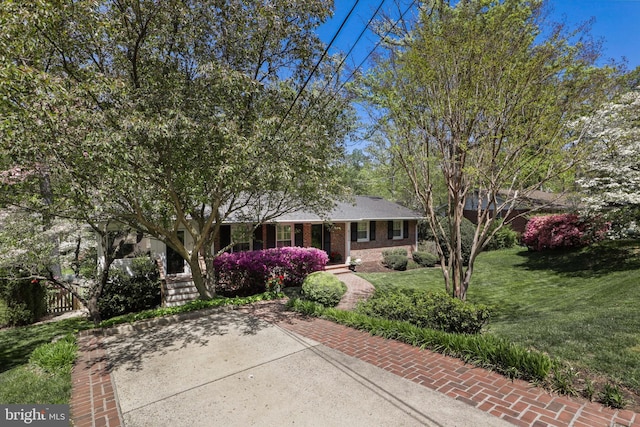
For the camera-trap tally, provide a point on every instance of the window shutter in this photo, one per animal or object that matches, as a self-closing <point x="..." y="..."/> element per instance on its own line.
<point x="257" y="238"/>
<point x="354" y="231"/>
<point x="389" y="230"/>
<point x="271" y="236"/>
<point x="225" y="236"/>
<point x="405" y="229"/>
<point x="297" y="235"/>
<point x="372" y="230"/>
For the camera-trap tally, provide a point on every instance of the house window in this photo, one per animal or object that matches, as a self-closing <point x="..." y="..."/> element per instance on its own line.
<point x="397" y="229"/>
<point x="241" y="238"/>
<point x="283" y="235"/>
<point x="363" y="231"/>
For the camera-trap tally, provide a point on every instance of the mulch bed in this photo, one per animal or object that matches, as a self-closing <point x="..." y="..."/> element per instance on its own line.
<point x="373" y="267"/>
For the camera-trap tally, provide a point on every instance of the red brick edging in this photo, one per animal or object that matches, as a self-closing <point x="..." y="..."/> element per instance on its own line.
<point x="517" y="402"/>
<point x="94" y="401"/>
<point x="93" y="398"/>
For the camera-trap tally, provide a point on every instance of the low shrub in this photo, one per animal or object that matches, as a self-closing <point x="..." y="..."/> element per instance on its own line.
<point x="394" y="251"/>
<point x="427" y="310"/>
<point x="395" y="258"/>
<point x="467" y="230"/>
<point x="247" y="273"/>
<point x="125" y="293"/>
<point x="396" y="262"/>
<point x="425" y="259"/>
<point x="487" y="351"/>
<point x="505" y="238"/>
<point x="25" y="298"/>
<point x="323" y="288"/>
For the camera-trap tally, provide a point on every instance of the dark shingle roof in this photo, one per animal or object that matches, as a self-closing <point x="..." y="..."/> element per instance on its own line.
<point x="362" y="208"/>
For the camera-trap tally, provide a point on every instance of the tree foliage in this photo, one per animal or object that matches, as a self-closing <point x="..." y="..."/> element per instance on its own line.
<point x="172" y="115"/>
<point x="610" y="179"/>
<point x="475" y="95"/>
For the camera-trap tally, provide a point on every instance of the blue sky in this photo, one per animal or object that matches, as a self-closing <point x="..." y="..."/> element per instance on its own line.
<point x="617" y="24"/>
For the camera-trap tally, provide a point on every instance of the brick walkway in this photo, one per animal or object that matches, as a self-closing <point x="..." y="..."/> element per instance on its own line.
<point x="94" y="402"/>
<point x="358" y="289"/>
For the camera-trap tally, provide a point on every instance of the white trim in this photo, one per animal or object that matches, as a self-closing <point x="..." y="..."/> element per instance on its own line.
<point x="367" y="228"/>
<point x="291" y="234"/>
<point x="400" y="237"/>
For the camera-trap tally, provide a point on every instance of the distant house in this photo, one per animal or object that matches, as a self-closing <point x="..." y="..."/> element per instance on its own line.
<point x="536" y="202"/>
<point x="361" y="229"/>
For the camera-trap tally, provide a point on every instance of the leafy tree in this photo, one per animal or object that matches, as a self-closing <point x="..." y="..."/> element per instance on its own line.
<point x="610" y="179"/>
<point x="475" y="96"/>
<point x="174" y="114"/>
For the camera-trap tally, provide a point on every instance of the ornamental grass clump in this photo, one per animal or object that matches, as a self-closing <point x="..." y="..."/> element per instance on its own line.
<point x="57" y="356"/>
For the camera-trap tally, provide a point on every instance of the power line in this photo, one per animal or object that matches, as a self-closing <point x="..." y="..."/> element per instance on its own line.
<point x="344" y="21"/>
<point x="364" y="30"/>
<point x="361" y="64"/>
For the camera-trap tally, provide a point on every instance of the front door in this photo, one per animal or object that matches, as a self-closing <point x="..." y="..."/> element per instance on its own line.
<point x="321" y="237"/>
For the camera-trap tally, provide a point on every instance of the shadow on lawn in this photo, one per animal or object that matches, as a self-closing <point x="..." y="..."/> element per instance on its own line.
<point x="17" y="344"/>
<point x="603" y="258"/>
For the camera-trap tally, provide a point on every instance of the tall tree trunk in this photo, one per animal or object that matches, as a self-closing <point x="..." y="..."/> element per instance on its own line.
<point x="199" y="278"/>
<point x="47" y="198"/>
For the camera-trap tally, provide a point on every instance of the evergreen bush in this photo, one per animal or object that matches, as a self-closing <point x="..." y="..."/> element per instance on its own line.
<point x="425" y="259"/>
<point x="25" y="298"/>
<point x="427" y="310"/>
<point x="126" y="293"/>
<point x="323" y="288"/>
<point x="467" y="230"/>
<point x="396" y="262"/>
<point x="504" y="238"/>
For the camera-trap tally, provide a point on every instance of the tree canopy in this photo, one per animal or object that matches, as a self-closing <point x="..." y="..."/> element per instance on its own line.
<point x="172" y="114"/>
<point x="475" y="95"/>
<point x="610" y="179"/>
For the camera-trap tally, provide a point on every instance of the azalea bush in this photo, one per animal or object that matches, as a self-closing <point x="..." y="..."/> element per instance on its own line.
<point x="562" y="231"/>
<point x="247" y="273"/>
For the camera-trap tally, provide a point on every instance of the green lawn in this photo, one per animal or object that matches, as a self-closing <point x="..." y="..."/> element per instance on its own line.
<point x="582" y="306"/>
<point x="21" y="381"/>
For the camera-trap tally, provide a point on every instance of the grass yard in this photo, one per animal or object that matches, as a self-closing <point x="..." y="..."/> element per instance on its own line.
<point x="581" y="306"/>
<point x="23" y="382"/>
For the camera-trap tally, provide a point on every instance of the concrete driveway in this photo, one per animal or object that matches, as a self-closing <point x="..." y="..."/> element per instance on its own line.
<point x="229" y="368"/>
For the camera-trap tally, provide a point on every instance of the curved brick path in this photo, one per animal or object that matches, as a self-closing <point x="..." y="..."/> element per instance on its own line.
<point x="358" y="289"/>
<point x="94" y="400"/>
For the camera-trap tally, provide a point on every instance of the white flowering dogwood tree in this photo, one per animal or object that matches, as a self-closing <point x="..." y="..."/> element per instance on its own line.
<point x="611" y="176"/>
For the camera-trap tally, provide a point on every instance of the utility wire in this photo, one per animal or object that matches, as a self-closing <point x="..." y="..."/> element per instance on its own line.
<point x="364" y="30"/>
<point x="400" y="18"/>
<point x="344" y="21"/>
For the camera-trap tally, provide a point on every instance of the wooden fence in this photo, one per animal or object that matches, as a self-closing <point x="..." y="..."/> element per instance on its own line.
<point x="61" y="300"/>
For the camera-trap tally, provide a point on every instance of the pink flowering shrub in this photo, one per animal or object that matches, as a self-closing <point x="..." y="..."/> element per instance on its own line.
<point x="247" y="273"/>
<point x="561" y="231"/>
